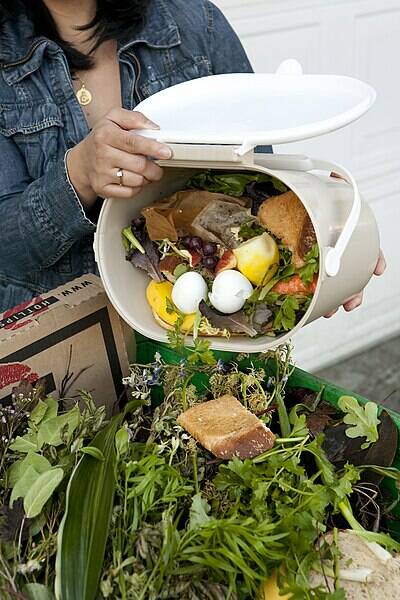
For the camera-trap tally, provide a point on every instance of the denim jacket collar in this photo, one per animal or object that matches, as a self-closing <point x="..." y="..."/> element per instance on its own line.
<point x="19" y="48"/>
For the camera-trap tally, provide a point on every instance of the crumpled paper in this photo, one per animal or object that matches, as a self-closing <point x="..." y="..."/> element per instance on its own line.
<point x="196" y="212"/>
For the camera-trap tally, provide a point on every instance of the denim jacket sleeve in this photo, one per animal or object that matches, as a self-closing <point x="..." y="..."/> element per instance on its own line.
<point x="227" y="52"/>
<point x="39" y="220"/>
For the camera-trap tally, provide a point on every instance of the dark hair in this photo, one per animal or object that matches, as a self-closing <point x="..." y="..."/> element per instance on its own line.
<point x="114" y="19"/>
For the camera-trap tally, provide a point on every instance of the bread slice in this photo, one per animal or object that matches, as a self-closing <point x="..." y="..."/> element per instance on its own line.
<point x="286" y="218"/>
<point x="226" y="428"/>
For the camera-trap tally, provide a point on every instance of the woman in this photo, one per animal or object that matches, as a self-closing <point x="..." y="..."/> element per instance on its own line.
<point x="71" y="71"/>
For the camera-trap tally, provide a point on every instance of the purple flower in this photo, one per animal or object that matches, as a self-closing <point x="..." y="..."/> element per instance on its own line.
<point x="153" y="380"/>
<point x="182" y="369"/>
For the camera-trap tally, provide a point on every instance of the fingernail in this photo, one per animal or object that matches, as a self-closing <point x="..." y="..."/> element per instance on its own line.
<point x="152" y="125"/>
<point x="165" y="153"/>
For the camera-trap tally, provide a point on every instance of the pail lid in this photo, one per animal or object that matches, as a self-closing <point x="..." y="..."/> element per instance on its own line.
<point x="251" y="109"/>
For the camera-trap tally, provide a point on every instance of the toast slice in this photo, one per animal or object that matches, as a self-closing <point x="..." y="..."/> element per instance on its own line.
<point x="226" y="428"/>
<point x="287" y="219"/>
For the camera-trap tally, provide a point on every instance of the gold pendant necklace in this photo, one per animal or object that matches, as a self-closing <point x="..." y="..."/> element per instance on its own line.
<point x="83" y="94"/>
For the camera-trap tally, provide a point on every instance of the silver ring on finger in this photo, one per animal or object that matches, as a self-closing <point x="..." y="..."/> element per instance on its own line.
<point x="120" y="175"/>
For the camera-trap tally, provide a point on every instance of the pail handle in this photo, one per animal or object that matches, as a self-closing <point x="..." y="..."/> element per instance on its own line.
<point x="334" y="254"/>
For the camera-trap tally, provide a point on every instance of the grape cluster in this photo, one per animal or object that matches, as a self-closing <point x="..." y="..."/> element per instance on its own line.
<point x="208" y="250"/>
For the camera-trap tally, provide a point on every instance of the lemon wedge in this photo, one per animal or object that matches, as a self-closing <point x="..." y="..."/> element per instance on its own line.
<point x="258" y="258"/>
<point x="157" y="295"/>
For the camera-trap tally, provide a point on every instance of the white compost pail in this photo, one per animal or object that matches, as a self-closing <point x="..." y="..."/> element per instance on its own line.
<point x="205" y="134"/>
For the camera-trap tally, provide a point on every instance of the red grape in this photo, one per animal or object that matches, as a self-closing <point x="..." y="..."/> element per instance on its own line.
<point x="209" y="249"/>
<point x="196" y="243"/>
<point x="210" y="262"/>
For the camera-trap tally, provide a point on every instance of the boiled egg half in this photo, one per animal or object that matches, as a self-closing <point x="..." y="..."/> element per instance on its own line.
<point x="188" y="291"/>
<point x="230" y="291"/>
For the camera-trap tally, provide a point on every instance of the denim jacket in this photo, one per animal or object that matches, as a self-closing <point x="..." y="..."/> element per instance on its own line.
<point x="46" y="238"/>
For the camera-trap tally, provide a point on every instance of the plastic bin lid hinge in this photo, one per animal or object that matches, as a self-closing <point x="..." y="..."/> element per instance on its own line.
<point x="210" y="153"/>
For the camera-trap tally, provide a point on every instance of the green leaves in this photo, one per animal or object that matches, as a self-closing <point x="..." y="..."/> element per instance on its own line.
<point x="232" y="184"/>
<point x="130" y="241"/>
<point x="202" y="354"/>
<point x="285" y="317"/>
<point x="56" y="430"/>
<point x="33" y="479"/>
<point x="84" y="529"/>
<point x="92" y="451"/>
<point x="180" y="270"/>
<point x="122" y="441"/>
<point x="36" y="591"/>
<point x="41" y="490"/>
<point x="18" y="469"/>
<point x="27" y="443"/>
<point x="39" y="412"/>
<point x="23" y="485"/>
<point x="35" y="485"/>
<point x="311" y="266"/>
<point x="176" y="338"/>
<point x="46" y="427"/>
<point x="199" y="512"/>
<point x="363" y="419"/>
<point x="284" y="272"/>
<point x="250" y="229"/>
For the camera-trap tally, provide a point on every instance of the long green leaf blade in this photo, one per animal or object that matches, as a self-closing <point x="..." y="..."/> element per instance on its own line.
<point x="84" y="529"/>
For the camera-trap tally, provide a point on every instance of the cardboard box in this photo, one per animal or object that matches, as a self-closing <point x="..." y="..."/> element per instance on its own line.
<point x="72" y="337"/>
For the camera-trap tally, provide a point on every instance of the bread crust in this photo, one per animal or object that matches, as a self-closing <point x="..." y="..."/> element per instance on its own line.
<point x="226" y="428"/>
<point x="287" y="219"/>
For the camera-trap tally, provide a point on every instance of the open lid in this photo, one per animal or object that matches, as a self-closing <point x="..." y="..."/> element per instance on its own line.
<point x="250" y="109"/>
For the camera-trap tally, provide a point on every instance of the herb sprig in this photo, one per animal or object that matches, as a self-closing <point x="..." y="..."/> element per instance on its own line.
<point x="364" y="420"/>
<point x="311" y="266"/>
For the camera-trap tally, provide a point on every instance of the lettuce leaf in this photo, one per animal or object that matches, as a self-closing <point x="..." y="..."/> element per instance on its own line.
<point x="235" y="323"/>
<point x="232" y="184"/>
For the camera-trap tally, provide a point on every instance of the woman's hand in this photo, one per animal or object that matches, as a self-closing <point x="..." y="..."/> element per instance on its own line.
<point x="93" y="164"/>
<point x="355" y="301"/>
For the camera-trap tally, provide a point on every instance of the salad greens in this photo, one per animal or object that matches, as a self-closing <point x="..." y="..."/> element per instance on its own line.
<point x="130" y="241"/>
<point x="250" y="229"/>
<point x="285" y="317"/>
<point x="232" y="184"/>
<point x="311" y="266"/>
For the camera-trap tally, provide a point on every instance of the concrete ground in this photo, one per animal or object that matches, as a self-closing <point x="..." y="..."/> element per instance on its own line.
<point x="374" y="373"/>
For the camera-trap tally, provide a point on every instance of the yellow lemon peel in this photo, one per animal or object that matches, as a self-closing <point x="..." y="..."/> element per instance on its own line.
<point x="258" y="258"/>
<point x="157" y="295"/>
